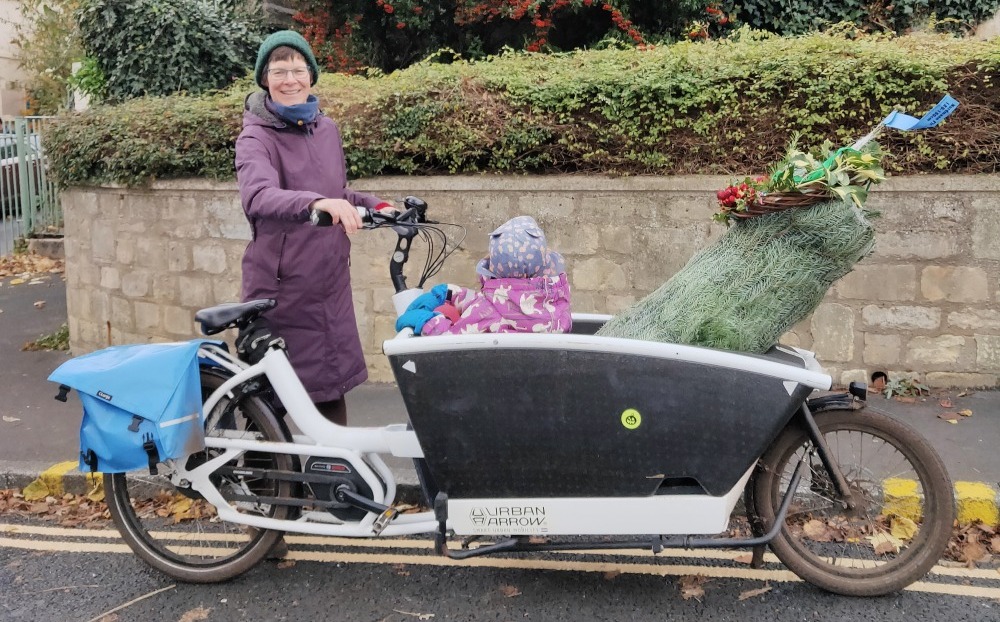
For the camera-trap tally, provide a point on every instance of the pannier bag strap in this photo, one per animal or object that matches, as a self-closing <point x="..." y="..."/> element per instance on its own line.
<point x="150" y="448"/>
<point x="90" y="459"/>
<point x="63" y="392"/>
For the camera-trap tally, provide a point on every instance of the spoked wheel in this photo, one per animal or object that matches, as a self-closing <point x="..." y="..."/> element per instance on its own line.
<point x="178" y="532"/>
<point x="904" y="505"/>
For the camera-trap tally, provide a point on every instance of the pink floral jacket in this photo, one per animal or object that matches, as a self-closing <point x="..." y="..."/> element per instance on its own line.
<point x="530" y="305"/>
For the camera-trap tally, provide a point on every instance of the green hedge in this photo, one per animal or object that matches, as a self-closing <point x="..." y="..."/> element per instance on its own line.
<point x="709" y="107"/>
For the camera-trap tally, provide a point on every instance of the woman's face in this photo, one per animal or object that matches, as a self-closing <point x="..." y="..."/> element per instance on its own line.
<point x="288" y="80"/>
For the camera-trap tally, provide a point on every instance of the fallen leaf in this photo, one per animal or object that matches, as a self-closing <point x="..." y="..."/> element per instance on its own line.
<point x="400" y="569"/>
<point x="10" y="419"/>
<point x="537" y="540"/>
<point x="971" y="552"/>
<point x="691" y="587"/>
<point x="509" y="591"/>
<point x="612" y="574"/>
<point x="903" y="528"/>
<point x="194" y="615"/>
<point x="818" y="531"/>
<point x="16" y="281"/>
<point x="39" y="304"/>
<point x="753" y="593"/>
<point x="285" y="563"/>
<point x="965" y="412"/>
<point x="884" y="543"/>
<point x="949" y="417"/>
<point x="746" y="558"/>
<point x="946" y="403"/>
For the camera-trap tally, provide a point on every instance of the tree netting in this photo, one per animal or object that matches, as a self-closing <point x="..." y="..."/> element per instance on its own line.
<point x="762" y="277"/>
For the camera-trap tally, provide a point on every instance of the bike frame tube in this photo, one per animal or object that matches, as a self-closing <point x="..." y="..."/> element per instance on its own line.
<point x="823" y="451"/>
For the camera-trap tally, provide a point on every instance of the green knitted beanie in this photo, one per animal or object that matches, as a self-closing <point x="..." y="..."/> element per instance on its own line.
<point x="293" y="40"/>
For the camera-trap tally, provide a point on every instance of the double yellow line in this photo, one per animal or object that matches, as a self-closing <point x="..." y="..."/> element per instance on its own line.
<point x="420" y="553"/>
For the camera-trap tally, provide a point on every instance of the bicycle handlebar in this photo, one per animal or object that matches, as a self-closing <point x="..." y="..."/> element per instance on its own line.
<point x="407" y="224"/>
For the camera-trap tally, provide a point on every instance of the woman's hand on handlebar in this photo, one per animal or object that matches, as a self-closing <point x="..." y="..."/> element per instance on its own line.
<point x="340" y="211"/>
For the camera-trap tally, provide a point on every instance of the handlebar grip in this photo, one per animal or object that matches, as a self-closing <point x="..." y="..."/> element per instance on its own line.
<point x="320" y="218"/>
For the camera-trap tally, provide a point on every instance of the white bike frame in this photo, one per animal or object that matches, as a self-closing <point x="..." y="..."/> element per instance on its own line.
<point x="358" y="446"/>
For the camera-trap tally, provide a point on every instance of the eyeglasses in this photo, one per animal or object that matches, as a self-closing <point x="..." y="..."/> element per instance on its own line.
<point x="298" y="73"/>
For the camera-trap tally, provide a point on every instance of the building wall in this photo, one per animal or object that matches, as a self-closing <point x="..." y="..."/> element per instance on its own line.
<point x="140" y="262"/>
<point x="12" y="94"/>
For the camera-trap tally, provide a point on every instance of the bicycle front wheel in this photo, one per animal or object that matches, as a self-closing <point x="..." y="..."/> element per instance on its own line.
<point x="904" y="505"/>
<point x="178" y="532"/>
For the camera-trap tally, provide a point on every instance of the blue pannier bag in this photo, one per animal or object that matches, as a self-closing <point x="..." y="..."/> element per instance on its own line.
<point x="141" y="404"/>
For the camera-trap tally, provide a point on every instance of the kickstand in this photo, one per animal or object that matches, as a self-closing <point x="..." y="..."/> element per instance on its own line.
<point x="467" y="541"/>
<point x="757" y="561"/>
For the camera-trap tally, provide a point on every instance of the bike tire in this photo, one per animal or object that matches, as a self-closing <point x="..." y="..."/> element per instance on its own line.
<point x="176" y="531"/>
<point x="904" y="479"/>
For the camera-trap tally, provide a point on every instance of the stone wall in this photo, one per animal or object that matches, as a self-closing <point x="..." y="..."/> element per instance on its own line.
<point x="140" y="262"/>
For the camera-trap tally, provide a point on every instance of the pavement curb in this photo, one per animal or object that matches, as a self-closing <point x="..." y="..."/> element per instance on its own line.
<point x="974" y="501"/>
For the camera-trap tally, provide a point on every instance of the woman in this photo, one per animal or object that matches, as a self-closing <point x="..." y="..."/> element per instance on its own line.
<point x="290" y="161"/>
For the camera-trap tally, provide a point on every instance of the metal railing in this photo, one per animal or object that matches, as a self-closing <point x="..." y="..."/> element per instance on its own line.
<point x="29" y="199"/>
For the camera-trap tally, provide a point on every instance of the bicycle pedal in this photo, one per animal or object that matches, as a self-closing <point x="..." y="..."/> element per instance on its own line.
<point x="384" y="519"/>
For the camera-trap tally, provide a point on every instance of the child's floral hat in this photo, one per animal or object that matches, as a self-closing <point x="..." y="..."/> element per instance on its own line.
<point x="518" y="250"/>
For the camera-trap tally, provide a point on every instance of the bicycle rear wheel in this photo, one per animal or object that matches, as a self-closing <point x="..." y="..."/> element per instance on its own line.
<point x="178" y="532"/>
<point x="904" y="512"/>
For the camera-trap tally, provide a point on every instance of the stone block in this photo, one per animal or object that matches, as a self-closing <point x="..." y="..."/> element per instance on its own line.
<point x="985" y="229"/>
<point x="147" y="316"/>
<point x="182" y="208"/>
<point x="901" y="317"/>
<point x="121" y="314"/>
<point x="102" y="240"/>
<point x="179" y="321"/>
<point x="110" y="278"/>
<point x="165" y="289"/>
<point x="151" y="252"/>
<point x="954" y="284"/>
<point x="195" y="291"/>
<point x="882" y="349"/>
<point x="660" y="253"/>
<point x="960" y="380"/>
<point x="616" y="239"/>
<point x="178" y="256"/>
<point x="136" y="283"/>
<point x="125" y="251"/>
<point x="586" y="302"/>
<point x="572" y="241"/>
<point x="917" y="245"/>
<point x="617" y="304"/>
<point x="943" y="350"/>
<point x="976" y="319"/>
<point x="225" y="289"/>
<point x="382" y="301"/>
<point x="597" y="275"/>
<point x="879" y="282"/>
<point x="988" y="353"/>
<point x="833" y="332"/>
<point x="546" y="207"/>
<point x="209" y="257"/>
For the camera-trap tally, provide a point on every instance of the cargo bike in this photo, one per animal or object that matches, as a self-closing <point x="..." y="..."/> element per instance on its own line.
<point x="527" y="443"/>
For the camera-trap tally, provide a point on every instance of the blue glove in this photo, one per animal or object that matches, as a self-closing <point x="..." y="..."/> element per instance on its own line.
<point x="422" y="309"/>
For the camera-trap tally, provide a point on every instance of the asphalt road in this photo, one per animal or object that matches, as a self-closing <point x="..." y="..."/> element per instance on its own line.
<point x="79" y="575"/>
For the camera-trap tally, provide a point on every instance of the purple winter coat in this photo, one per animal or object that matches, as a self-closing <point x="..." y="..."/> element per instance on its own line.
<point x="281" y="169"/>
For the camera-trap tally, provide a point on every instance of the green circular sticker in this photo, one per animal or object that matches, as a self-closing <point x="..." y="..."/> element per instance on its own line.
<point x="631" y="419"/>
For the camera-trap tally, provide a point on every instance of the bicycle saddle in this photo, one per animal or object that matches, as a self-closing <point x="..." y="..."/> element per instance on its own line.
<point x="231" y="315"/>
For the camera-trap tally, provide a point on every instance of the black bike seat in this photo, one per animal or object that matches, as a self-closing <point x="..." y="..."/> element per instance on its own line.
<point x="227" y="315"/>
